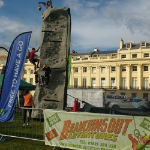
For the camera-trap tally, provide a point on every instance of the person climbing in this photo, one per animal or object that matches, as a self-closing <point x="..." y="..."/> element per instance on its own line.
<point x="33" y="59"/>
<point x="47" y="72"/>
<point x="36" y="76"/>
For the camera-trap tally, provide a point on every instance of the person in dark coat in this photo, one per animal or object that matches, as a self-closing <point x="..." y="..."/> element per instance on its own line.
<point x="47" y="72"/>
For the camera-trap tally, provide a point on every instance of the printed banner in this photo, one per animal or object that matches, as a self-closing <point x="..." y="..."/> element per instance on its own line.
<point x="89" y="131"/>
<point x="12" y="76"/>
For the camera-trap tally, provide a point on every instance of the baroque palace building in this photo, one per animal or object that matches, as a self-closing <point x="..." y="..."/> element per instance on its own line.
<point x="125" y="71"/>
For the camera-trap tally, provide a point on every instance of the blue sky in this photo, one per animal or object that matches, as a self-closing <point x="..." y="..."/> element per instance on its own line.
<point x="95" y="23"/>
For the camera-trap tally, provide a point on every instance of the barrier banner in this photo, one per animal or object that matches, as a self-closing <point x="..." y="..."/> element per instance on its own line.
<point x="12" y="76"/>
<point x="89" y="131"/>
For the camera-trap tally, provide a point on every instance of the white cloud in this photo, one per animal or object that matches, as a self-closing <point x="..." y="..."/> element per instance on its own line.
<point x="96" y="23"/>
<point x="104" y="24"/>
<point x="9" y="29"/>
<point x="1" y="3"/>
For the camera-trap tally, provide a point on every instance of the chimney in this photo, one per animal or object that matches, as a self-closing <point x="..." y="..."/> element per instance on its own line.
<point x="121" y="43"/>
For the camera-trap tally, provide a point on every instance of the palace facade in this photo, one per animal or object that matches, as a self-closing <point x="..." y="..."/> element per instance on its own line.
<point x="125" y="71"/>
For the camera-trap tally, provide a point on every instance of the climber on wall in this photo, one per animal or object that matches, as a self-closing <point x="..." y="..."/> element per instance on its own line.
<point x="33" y="58"/>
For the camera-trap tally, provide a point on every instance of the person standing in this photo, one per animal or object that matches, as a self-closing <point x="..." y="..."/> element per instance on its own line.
<point x="28" y="103"/>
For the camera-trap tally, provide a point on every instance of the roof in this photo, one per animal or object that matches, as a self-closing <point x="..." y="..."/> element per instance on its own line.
<point x="135" y="46"/>
<point x="95" y="52"/>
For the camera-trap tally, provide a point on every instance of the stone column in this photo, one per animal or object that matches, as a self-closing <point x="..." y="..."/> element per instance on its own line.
<point x="89" y="76"/>
<point x="139" y="69"/>
<point x="108" y="76"/>
<point x="128" y="77"/>
<point x="98" y="76"/>
<point x="80" y="76"/>
<point x="118" y="80"/>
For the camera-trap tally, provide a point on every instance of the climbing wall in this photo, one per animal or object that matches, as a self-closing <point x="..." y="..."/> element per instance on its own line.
<point x="56" y="30"/>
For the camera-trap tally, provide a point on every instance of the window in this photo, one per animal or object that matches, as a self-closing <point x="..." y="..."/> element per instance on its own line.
<point x="145" y="68"/>
<point x="84" y="58"/>
<point x="123" y="68"/>
<point x="128" y="45"/>
<point x="75" y="82"/>
<point x="134" y="55"/>
<point x="112" y="92"/>
<point x="75" y="69"/>
<point x="25" y="71"/>
<point x="113" y="82"/>
<point x="134" y="68"/>
<point x="122" y="93"/>
<point x="113" y="69"/>
<point x="145" y="96"/>
<point x="93" y="82"/>
<point x="134" y="83"/>
<point x="123" y="83"/>
<point x="123" y="56"/>
<point x="146" y="54"/>
<point x="78" y="58"/>
<point x="94" y="55"/>
<point x="103" y="69"/>
<point x="84" y="69"/>
<point x="145" y="82"/>
<point x="133" y="95"/>
<point x="31" y="80"/>
<point x="102" y="82"/>
<point x="143" y="44"/>
<point x="93" y="69"/>
<point x="84" y="82"/>
<point x="31" y="71"/>
<point x="114" y="55"/>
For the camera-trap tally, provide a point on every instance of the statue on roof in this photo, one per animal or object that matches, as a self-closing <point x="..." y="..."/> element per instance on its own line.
<point x="45" y="4"/>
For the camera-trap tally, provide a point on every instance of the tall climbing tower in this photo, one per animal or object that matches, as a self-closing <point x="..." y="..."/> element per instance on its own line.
<point x="55" y="48"/>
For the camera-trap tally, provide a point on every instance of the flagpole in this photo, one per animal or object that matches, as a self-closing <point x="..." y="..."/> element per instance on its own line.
<point x="4" y="70"/>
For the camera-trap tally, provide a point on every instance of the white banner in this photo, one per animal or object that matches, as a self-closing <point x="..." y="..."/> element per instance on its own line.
<point x="88" y="131"/>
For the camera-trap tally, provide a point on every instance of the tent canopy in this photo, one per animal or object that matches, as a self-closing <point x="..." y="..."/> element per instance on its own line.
<point x="23" y="84"/>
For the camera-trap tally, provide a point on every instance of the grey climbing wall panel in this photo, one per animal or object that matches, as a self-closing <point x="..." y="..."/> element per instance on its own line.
<point x="56" y="30"/>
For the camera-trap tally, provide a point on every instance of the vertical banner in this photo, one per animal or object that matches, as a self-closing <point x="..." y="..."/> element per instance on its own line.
<point x="12" y="76"/>
<point x="69" y="69"/>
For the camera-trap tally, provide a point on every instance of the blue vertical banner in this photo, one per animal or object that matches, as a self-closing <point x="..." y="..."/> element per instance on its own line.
<point x="11" y="81"/>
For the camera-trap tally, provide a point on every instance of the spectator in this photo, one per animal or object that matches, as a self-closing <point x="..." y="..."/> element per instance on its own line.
<point x="28" y="103"/>
<point x="21" y="99"/>
<point x="33" y="59"/>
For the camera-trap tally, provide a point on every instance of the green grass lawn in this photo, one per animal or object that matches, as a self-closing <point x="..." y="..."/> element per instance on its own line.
<point x="20" y="144"/>
<point x="15" y="128"/>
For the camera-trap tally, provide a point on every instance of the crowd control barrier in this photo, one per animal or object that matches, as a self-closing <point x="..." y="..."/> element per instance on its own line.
<point x="32" y="130"/>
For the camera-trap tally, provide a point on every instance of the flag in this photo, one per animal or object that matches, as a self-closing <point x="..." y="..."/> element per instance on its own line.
<point x="12" y="76"/>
